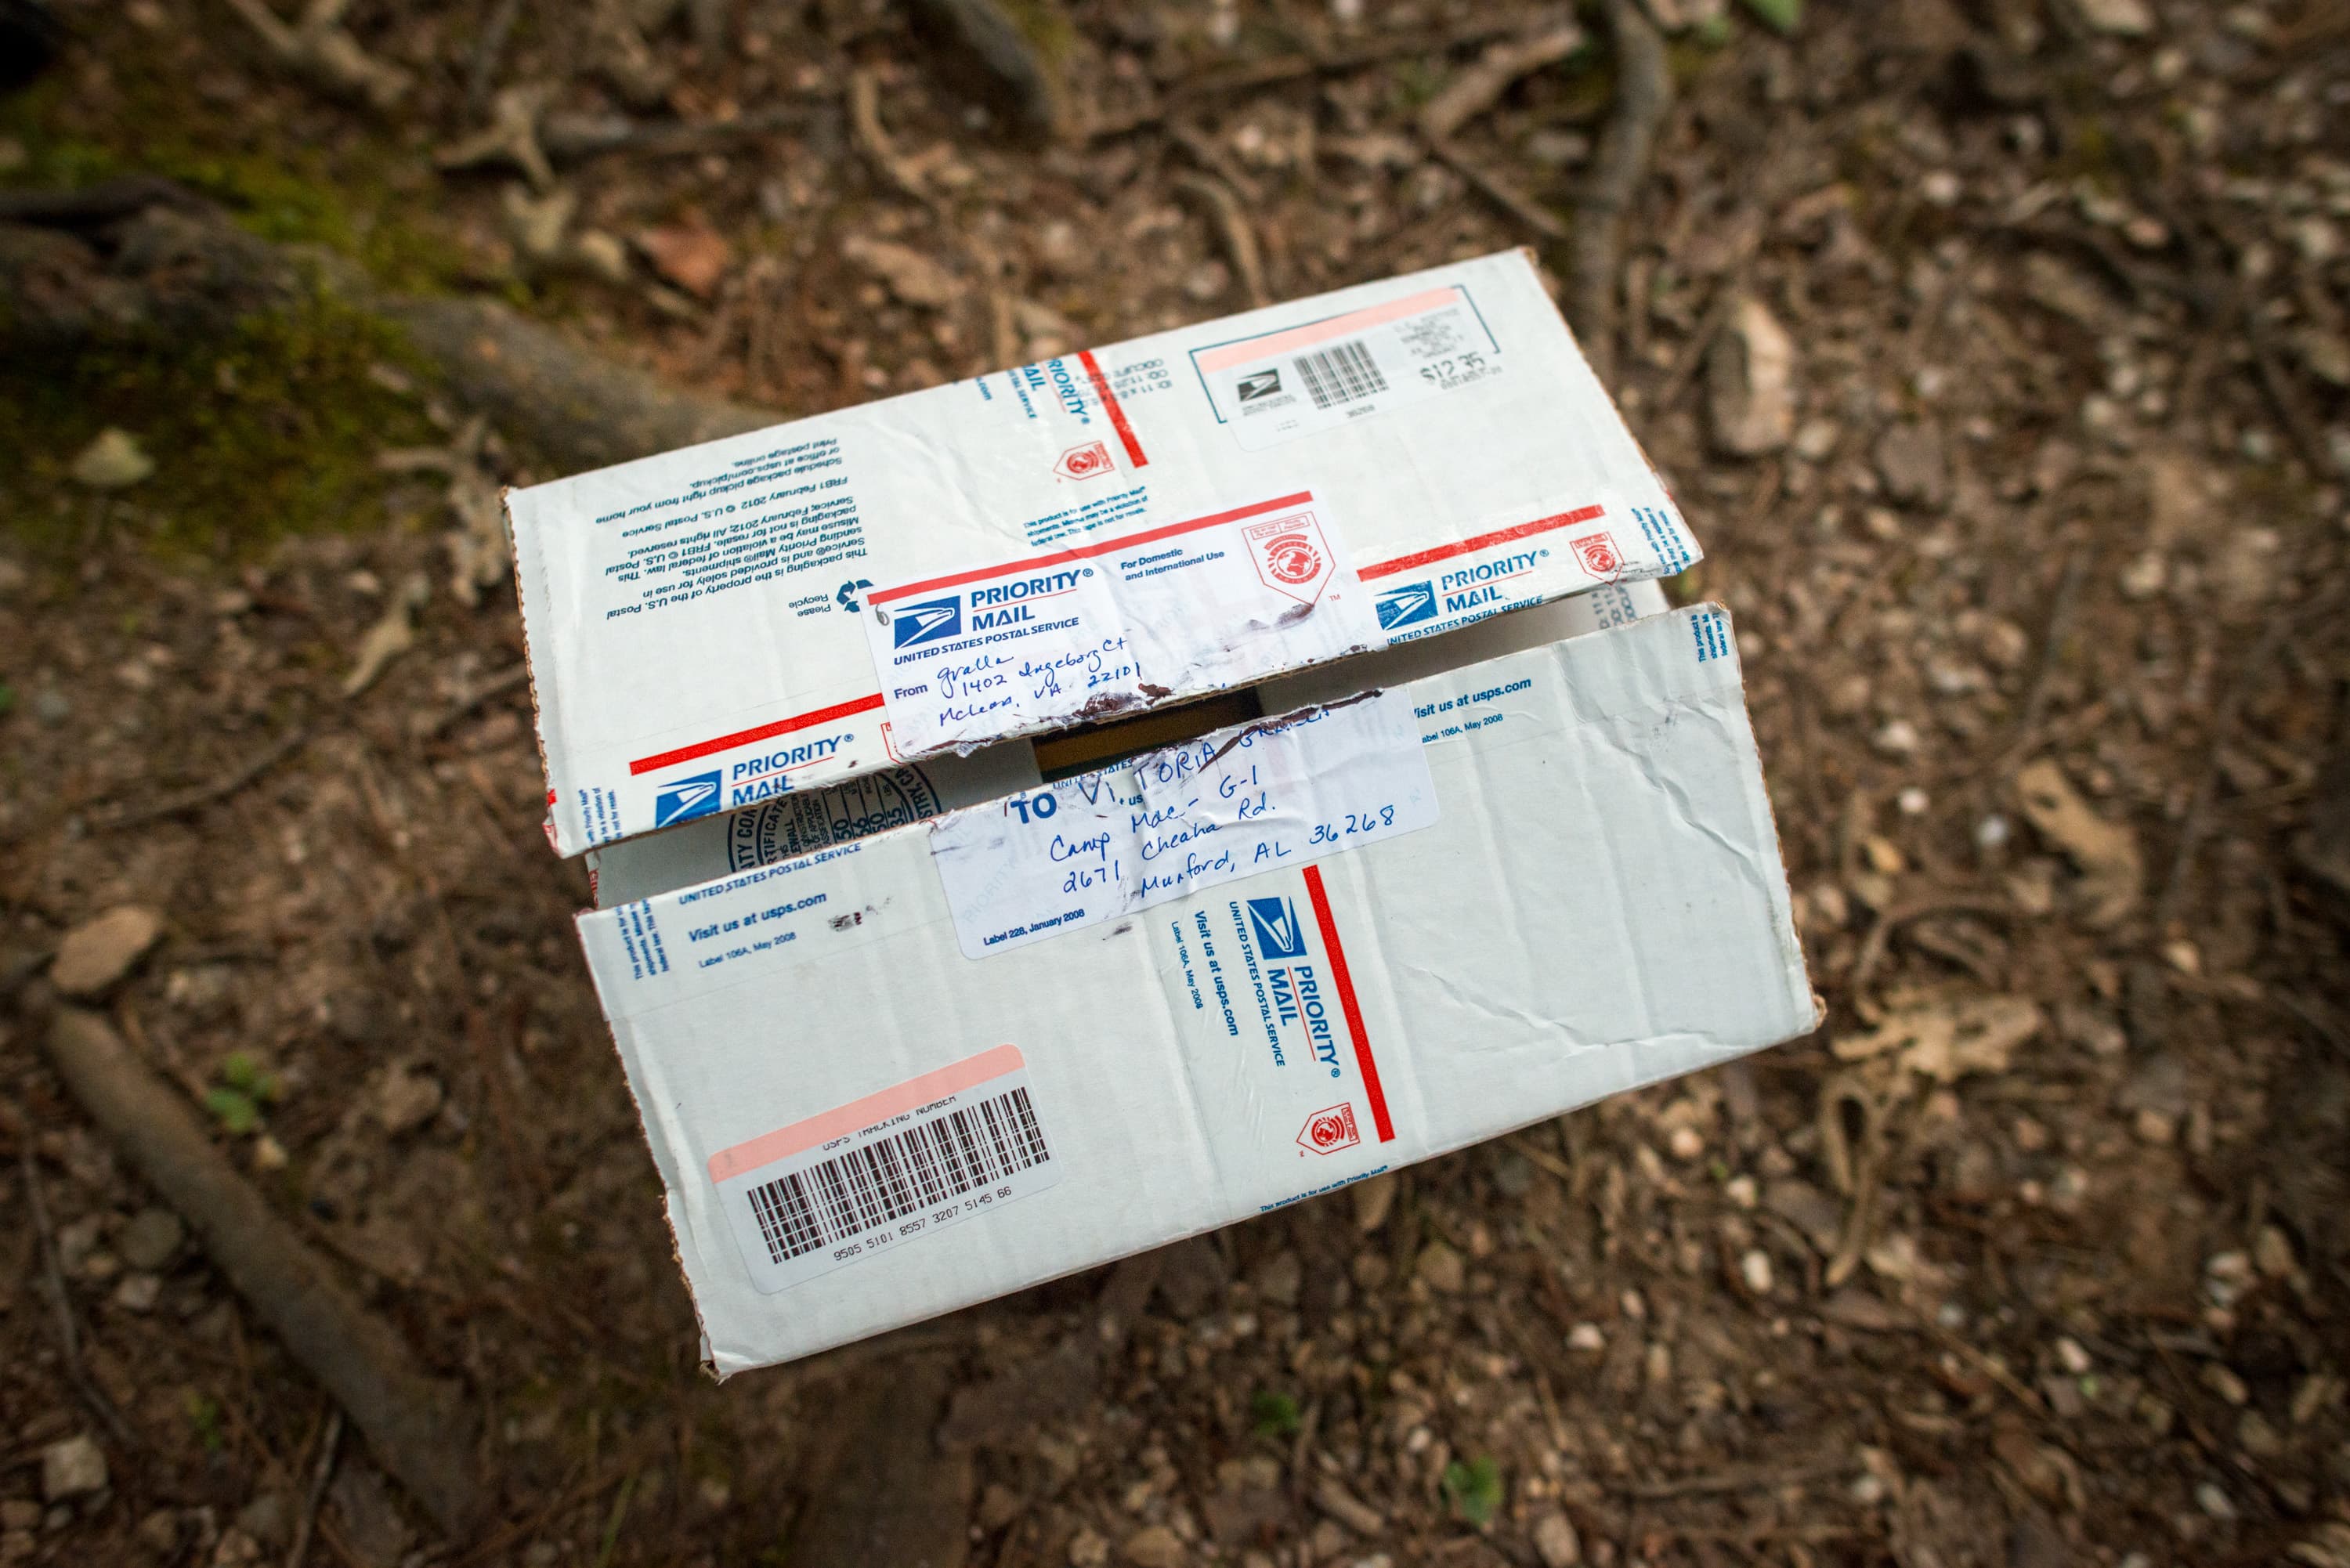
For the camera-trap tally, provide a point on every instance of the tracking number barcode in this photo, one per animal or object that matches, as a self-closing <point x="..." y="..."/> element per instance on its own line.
<point x="965" y="1150"/>
<point x="1342" y="373"/>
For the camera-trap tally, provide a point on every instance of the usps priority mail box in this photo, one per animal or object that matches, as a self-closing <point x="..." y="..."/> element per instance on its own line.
<point x="1130" y="525"/>
<point x="916" y="1070"/>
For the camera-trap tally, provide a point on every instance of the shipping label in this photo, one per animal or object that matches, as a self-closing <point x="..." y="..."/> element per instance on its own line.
<point x="1276" y="386"/>
<point x="1237" y="802"/>
<point x="1115" y="625"/>
<point x="882" y="1172"/>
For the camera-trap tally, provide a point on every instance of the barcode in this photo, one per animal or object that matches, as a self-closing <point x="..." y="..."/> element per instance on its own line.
<point x="904" y="1173"/>
<point x="1342" y="373"/>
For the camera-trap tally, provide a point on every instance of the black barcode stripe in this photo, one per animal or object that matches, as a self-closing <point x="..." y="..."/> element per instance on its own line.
<point x="1342" y="373"/>
<point x="883" y="1181"/>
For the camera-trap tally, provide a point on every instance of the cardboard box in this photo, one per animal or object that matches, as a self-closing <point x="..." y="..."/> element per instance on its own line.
<point x="805" y="821"/>
<point x="1131" y="526"/>
<point x="947" y="1061"/>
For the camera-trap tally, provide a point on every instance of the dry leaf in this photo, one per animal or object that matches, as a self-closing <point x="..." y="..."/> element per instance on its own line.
<point x="913" y="277"/>
<point x="693" y="256"/>
<point x="2106" y="855"/>
<point x="1945" y="1038"/>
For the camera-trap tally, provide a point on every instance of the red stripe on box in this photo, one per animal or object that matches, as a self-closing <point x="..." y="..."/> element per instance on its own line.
<point x="745" y="737"/>
<point x="1500" y="536"/>
<point x="1346" y="1003"/>
<point x="1110" y="405"/>
<point x="1081" y="552"/>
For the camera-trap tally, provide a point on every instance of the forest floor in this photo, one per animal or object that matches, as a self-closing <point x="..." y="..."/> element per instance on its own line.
<point x="2040" y="586"/>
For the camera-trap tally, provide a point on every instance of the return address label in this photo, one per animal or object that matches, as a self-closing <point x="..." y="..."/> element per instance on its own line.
<point x="1254" y="798"/>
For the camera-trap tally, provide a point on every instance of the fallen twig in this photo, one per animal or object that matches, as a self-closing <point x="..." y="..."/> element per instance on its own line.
<point x="1497" y="189"/>
<point x="1873" y="945"/>
<point x="506" y="679"/>
<point x="872" y="138"/>
<point x="574" y="138"/>
<point x="1718" y="1481"/>
<point x="227" y="784"/>
<point x="321" y="48"/>
<point x="53" y="1285"/>
<point x="1257" y="74"/>
<point x="1481" y="86"/>
<point x="1231" y="223"/>
<point x="1644" y="95"/>
<point x="418" y="1425"/>
<point x="481" y="74"/>
<point x="328" y="1447"/>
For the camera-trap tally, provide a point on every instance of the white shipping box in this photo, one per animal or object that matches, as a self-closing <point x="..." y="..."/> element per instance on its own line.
<point x="916" y="1070"/>
<point x="799" y="823"/>
<point x="1128" y="526"/>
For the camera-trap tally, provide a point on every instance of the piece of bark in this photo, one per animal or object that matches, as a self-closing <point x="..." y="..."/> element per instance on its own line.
<point x="418" y="1427"/>
<point x="1016" y="64"/>
<point x="1644" y="95"/>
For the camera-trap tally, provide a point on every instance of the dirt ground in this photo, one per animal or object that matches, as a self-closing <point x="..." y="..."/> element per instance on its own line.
<point x="2035" y="1254"/>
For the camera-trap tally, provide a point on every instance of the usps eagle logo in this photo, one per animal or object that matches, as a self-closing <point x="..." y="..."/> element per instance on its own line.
<point x="1291" y="554"/>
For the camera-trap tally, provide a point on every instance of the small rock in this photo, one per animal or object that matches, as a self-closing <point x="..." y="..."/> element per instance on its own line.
<point x="139" y="1292"/>
<point x="2071" y="1356"/>
<point x="999" y="1505"/>
<point x="266" y="1519"/>
<point x="1754" y="1268"/>
<point x="97" y="953"/>
<point x="1743" y="1191"/>
<point x="2272" y="1253"/>
<point x="1555" y="1542"/>
<point x="2118" y="18"/>
<point x="1897" y="739"/>
<point x="693" y="256"/>
<point x="1588" y="1338"/>
<point x="51" y="706"/>
<point x="1280" y="1278"/>
<point x="1816" y="441"/>
<point x="1686" y="1143"/>
<point x="151" y="1240"/>
<point x="1751" y="376"/>
<point x="1442" y="1268"/>
<point x="406" y="1099"/>
<point x="1909" y="461"/>
<point x="2214" y="1502"/>
<point x="113" y="461"/>
<point x="907" y="272"/>
<point x="1088" y="1549"/>
<point x="72" y="1467"/>
<point x="1154" y="1546"/>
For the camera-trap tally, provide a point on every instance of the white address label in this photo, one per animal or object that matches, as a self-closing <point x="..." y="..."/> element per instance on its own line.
<point x="1234" y="804"/>
<point x="1106" y="626"/>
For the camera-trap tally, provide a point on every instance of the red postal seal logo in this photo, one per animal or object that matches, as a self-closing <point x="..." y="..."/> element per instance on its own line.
<point x="1291" y="554"/>
<point x="1087" y="461"/>
<point x="1328" y="1131"/>
<point x="1598" y="554"/>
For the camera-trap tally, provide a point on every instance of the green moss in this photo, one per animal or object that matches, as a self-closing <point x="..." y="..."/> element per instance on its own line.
<point x="369" y="201"/>
<point x="270" y="429"/>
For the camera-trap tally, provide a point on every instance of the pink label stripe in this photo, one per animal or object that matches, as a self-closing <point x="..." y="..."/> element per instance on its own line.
<point x="786" y="1142"/>
<point x="1322" y="331"/>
